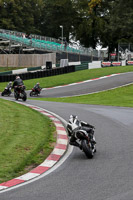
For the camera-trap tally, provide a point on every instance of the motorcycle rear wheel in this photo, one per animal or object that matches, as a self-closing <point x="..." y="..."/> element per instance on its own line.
<point x="87" y="149"/>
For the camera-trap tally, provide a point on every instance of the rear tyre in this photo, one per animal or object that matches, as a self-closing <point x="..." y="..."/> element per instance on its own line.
<point x="87" y="149"/>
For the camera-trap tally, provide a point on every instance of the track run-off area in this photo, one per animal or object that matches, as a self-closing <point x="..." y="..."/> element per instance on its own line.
<point x="106" y="177"/>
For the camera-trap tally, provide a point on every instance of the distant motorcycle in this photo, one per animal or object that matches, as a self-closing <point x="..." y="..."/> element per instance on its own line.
<point x="19" y="92"/>
<point x="82" y="135"/>
<point x="35" y="92"/>
<point x="7" y="91"/>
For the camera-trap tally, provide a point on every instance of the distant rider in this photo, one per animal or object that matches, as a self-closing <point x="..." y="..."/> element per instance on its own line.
<point x="9" y="86"/>
<point x="37" y="88"/>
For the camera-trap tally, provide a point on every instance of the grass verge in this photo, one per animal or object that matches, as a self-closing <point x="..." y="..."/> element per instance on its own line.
<point x="122" y="96"/>
<point x="5" y="69"/>
<point x="27" y="138"/>
<point x="73" y="77"/>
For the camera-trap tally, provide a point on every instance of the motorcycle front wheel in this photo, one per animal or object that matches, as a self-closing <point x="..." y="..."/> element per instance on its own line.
<point x="31" y="93"/>
<point x="2" y="93"/>
<point x="86" y="146"/>
<point x="16" y="96"/>
<point x="9" y="93"/>
<point x="24" y="96"/>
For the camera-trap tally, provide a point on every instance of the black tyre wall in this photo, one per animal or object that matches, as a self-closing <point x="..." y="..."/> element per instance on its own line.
<point x="38" y="74"/>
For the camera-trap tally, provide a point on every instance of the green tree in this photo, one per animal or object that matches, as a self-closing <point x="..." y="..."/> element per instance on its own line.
<point x="118" y="24"/>
<point x="89" y="22"/>
<point x="21" y="15"/>
<point x="56" y="13"/>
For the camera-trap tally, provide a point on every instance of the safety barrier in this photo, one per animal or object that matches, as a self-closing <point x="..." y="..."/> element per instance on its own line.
<point x="82" y="66"/>
<point x="110" y="64"/>
<point x="129" y="62"/>
<point x="39" y="74"/>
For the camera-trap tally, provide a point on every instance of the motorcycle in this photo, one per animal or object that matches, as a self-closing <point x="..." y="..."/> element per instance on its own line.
<point x="7" y="91"/>
<point x="82" y="135"/>
<point x="35" y="92"/>
<point x="19" y="92"/>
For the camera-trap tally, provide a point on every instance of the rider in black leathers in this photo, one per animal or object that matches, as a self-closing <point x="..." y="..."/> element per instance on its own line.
<point x="18" y="82"/>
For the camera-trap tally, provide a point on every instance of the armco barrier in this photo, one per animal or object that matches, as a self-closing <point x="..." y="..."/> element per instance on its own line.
<point x="38" y="74"/>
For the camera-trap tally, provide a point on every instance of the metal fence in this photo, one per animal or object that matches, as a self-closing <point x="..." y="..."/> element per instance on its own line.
<point x="45" y="43"/>
<point x="38" y="74"/>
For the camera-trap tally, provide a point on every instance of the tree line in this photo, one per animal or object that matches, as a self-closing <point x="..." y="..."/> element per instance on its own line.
<point x="107" y="22"/>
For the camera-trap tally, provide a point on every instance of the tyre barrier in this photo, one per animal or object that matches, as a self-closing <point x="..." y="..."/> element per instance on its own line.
<point x="38" y="74"/>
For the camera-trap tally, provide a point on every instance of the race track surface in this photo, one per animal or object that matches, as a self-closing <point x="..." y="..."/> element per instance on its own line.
<point x="106" y="177"/>
<point x="90" y="86"/>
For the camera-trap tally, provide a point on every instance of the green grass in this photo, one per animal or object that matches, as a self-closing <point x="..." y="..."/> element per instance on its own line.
<point x="5" y="69"/>
<point x="26" y="139"/>
<point x="73" y="77"/>
<point x="117" y="97"/>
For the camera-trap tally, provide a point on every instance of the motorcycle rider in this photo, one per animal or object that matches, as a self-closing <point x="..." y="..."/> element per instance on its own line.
<point x="18" y="82"/>
<point x="9" y="85"/>
<point x="7" y="89"/>
<point x="76" y="125"/>
<point x="37" y="87"/>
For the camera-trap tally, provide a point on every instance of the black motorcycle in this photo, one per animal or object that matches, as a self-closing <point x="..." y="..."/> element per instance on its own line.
<point x="19" y="92"/>
<point x="7" y="91"/>
<point x="35" y="92"/>
<point x="82" y="135"/>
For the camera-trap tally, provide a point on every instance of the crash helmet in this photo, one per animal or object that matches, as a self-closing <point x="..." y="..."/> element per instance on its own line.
<point x="10" y="83"/>
<point x="74" y="122"/>
<point x="17" y="77"/>
<point x="38" y="83"/>
<point x="73" y="118"/>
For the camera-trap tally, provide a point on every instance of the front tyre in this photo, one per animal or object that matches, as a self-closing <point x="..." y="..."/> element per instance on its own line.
<point x="87" y="149"/>
<point x="9" y="93"/>
<point x="24" y="96"/>
<point x="16" y="95"/>
<point x="31" y="93"/>
<point x="2" y="94"/>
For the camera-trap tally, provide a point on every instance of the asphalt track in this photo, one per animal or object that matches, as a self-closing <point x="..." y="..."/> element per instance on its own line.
<point x="90" y="86"/>
<point x="106" y="177"/>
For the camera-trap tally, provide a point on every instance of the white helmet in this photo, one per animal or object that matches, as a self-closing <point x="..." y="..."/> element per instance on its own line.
<point x="73" y="119"/>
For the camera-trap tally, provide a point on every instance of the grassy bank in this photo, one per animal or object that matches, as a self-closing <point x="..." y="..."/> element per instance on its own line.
<point x="73" y="77"/>
<point x="117" y="97"/>
<point x="27" y="138"/>
<point x="5" y="69"/>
